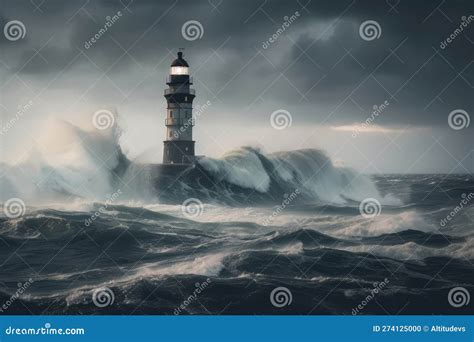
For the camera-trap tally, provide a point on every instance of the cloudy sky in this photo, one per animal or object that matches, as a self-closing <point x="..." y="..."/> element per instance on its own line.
<point x="323" y="71"/>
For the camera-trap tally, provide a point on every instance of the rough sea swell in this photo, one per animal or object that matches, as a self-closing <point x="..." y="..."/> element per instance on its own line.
<point x="247" y="176"/>
<point x="287" y="220"/>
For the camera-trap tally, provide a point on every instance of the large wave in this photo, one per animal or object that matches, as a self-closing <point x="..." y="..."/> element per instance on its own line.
<point x="67" y="162"/>
<point x="308" y="171"/>
<point x="71" y="162"/>
<point x="247" y="176"/>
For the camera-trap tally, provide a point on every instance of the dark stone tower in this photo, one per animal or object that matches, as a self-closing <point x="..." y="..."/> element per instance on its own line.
<point x="179" y="144"/>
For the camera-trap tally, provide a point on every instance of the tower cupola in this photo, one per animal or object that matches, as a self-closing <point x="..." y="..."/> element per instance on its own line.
<point x="179" y="66"/>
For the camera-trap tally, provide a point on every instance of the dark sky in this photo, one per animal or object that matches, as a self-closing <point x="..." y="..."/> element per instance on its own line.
<point x="319" y="69"/>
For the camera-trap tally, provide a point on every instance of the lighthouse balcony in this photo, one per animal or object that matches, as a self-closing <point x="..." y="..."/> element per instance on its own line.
<point x="180" y="91"/>
<point x="179" y="122"/>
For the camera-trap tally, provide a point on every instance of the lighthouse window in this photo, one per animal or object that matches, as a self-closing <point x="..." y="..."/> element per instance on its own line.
<point x="171" y="114"/>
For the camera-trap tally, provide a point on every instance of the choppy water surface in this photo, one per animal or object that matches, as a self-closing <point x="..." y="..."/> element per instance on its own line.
<point x="227" y="259"/>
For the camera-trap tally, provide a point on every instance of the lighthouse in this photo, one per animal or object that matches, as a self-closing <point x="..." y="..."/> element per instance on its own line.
<point x="179" y="122"/>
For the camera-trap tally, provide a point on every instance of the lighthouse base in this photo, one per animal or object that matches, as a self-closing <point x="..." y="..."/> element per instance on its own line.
<point x="178" y="152"/>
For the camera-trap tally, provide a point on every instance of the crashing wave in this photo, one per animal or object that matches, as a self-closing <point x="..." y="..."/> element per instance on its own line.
<point x="90" y="165"/>
<point x="308" y="170"/>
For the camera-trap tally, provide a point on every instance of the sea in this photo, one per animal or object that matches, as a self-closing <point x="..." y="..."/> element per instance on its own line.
<point x="87" y="231"/>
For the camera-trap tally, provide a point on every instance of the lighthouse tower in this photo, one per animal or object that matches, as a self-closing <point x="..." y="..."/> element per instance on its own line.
<point x="179" y="144"/>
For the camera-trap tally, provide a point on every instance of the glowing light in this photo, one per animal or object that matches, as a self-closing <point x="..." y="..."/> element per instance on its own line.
<point x="179" y="70"/>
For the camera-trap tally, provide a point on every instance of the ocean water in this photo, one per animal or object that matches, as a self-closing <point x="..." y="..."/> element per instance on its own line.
<point x="254" y="233"/>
